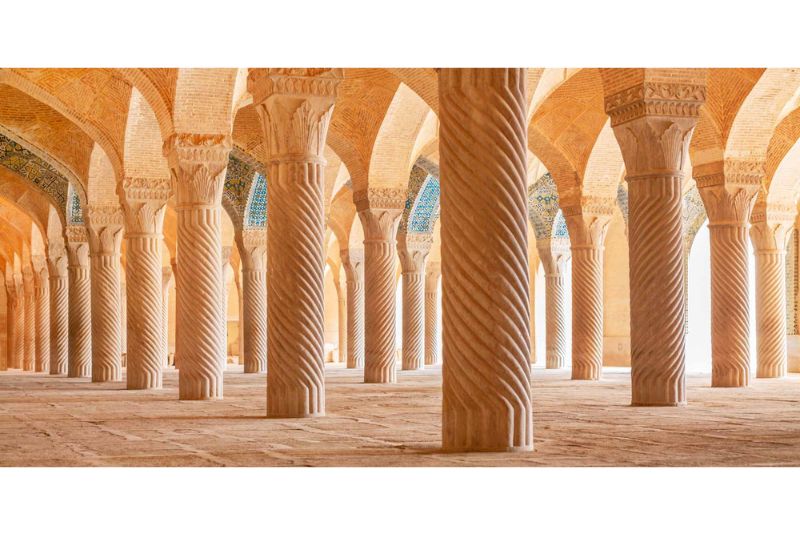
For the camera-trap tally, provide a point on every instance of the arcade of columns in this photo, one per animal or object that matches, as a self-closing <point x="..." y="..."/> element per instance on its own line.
<point x="149" y="158"/>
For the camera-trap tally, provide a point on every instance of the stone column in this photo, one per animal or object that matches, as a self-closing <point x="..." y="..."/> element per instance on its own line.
<point x="166" y="282"/>
<point x="80" y="305"/>
<point x="554" y="255"/>
<point x="13" y="360"/>
<point x="104" y="223"/>
<point x="198" y="164"/>
<point x="41" y="289"/>
<point x="770" y="232"/>
<point x="588" y="224"/>
<point x="253" y="247"/>
<point x="353" y="264"/>
<point x="341" y="294"/>
<point x="176" y="273"/>
<point x="653" y="123"/>
<point x="19" y="322"/>
<point x="413" y="250"/>
<point x="432" y="274"/>
<point x="729" y="197"/>
<point x="295" y="107"/>
<point x="486" y="402"/>
<point x="123" y="323"/>
<point x="144" y="203"/>
<point x="226" y="263"/>
<point x="29" y="325"/>
<point x="380" y="210"/>
<point x="59" y="306"/>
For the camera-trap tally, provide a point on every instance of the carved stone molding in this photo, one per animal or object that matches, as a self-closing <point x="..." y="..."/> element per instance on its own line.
<point x="588" y="222"/>
<point x="382" y="198"/>
<point x="76" y="233"/>
<point x="253" y="245"/>
<point x="264" y="83"/>
<point x="655" y="98"/>
<point x="413" y="250"/>
<point x="197" y="163"/>
<point x="554" y="255"/>
<point x="105" y="225"/>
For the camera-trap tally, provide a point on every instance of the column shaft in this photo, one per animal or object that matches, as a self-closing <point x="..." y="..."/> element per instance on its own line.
<point x="432" y="352"/>
<point x="166" y="281"/>
<point x="80" y="307"/>
<point x="353" y="262"/>
<point x="379" y="210"/>
<point x="555" y="322"/>
<point x="486" y="403"/>
<point x="254" y="289"/>
<point x="29" y="326"/>
<point x="42" y="320"/>
<point x="59" y="318"/>
<point x="770" y="238"/>
<point x="198" y="164"/>
<point x="413" y="250"/>
<point x="104" y="223"/>
<point x="653" y="123"/>
<point x="295" y="107"/>
<point x="145" y="322"/>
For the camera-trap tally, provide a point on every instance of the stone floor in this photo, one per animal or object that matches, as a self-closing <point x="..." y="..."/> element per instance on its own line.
<point x="55" y="421"/>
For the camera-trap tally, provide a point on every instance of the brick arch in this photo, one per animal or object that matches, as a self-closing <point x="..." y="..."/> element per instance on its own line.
<point x="391" y="155"/>
<point x="157" y="87"/>
<point x="605" y="166"/>
<point x="23" y="221"/>
<point x="101" y="184"/>
<point x="342" y="214"/>
<point x="20" y="192"/>
<point x="783" y="142"/>
<point x="565" y="127"/>
<point x="204" y="101"/>
<point x="363" y="98"/>
<point x="760" y="113"/>
<point x="726" y="92"/>
<point x="96" y="100"/>
<point x="144" y="156"/>
<point x="45" y="132"/>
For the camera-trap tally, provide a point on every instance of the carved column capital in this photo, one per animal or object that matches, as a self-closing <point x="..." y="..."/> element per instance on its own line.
<point x="144" y="203"/>
<point x="353" y="263"/>
<point x="771" y="226"/>
<point x="28" y="280"/>
<point x="588" y="221"/>
<point x="413" y="250"/>
<point x="729" y="189"/>
<point x="554" y="255"/>
<point x="650" y="98"/>
<point x="166" y="278"/>
<point x="653" y="123"/>
<point x="433" y="271"/>
<point x="380" y="210"/>
<point x="253" y="247"/>
<point x="78" y="246"/>
<point x="197" y="163"/>
<point x="104" y="223"/>
<point x="295" y="106"/>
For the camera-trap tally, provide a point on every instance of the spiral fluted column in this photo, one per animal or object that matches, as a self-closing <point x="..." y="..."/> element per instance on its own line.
<point x="432" y="274"/>
<point x="167" y="279"/>
<point x="123" y="323"/>
<point x="80" y="305"/>
<point x="341" y="294"/>
<point x="42" y="292"/>
<point x="59" y="307"/>
<point x="29" y="327"/>
<point x="379" y="210"/>
<point x="653" y="123"/>
<point x="144" y="203"/>
<point x="198" y="164"/>
<point x="770" y="233"/>
<point x="19" y="321"/>
<point x="413" y="250"/>
<point x="554" y="254"/>
<point x="104" y="223"/>
<point x="253" y="246"/>
<point x="295" y="107"/>
<point x="486" y="403"/>
<point x="588" y="224"/>
<point x="728" y="197"/>
<point x="353" y="263"/>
